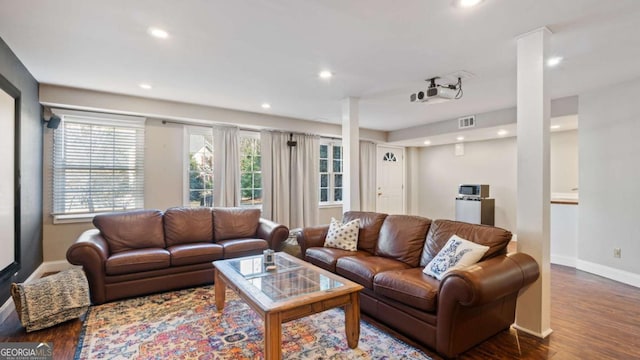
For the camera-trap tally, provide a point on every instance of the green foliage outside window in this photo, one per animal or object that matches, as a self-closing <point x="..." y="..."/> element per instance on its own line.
<point x="250" y="171"/>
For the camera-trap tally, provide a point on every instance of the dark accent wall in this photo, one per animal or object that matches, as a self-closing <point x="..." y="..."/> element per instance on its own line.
<point x="31" y="167"/>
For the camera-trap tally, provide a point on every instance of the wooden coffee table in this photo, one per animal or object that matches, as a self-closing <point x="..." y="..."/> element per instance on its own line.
<point x="293" y="290"/>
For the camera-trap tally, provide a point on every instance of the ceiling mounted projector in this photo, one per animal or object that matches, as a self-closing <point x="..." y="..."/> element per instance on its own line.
<point x="437" y="93"/>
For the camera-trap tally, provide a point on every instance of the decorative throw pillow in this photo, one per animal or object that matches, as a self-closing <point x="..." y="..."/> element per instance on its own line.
<point x="343" y="236"/>
<point x="457" y="253"/>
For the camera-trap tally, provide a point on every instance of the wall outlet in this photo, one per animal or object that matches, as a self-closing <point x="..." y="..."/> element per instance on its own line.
<point x="617" y="253"/>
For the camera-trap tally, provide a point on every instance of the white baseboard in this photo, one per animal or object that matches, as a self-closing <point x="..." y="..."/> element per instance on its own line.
<point x="50" y="266"/>
<point x="541" y="335"/>
<point x="622" y="276"/>
<point x="563" y="260"/>
<point x="59" y="265"/>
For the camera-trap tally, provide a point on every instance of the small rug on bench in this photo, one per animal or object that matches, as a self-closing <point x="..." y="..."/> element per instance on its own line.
<point x="184" y="324"/>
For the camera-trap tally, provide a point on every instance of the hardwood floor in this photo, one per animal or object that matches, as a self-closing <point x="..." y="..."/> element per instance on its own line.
<point x="591" y="317"/>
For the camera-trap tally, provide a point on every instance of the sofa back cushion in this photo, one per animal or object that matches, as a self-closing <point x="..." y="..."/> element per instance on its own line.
<point x="188" y="225"/>
<point x="370" y="224"/>
<point x="131" y="230"/>
<point x="442" y="230"/>
<point x="235" y="223"/>
<point x="402" y="238"/>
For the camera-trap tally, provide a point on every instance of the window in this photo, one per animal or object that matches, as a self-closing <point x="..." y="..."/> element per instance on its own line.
<point x="250" y="170"/>
<point x="98" y="164"/>
<point x="199" y="141"/>
<point x="330" y="172"/>
<point x="389" y="157"/>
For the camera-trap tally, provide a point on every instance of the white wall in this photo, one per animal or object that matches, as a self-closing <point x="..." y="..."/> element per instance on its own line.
<point x="492" y="162"/>
<point x="163" y="165"/>
<point x="89" y="100"/>
<point x="564" y="162"/>
<point x="609" y="177"/>
<point x="328" y="212"/>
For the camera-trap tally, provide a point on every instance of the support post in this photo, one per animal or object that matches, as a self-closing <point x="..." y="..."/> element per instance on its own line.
<point x="533" y="111"/>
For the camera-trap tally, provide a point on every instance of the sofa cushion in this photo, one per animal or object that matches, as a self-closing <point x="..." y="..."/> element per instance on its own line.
<point x="195" y="253"/>
<point x="440" y="232"/>
<point x="402" y="238"/>
<point x="457" y="253"/>
<point x="184" y="225"/>
<point x="343" y="236"/>
<point x="362" y="269"/>
<point x="131" y="230"/>
<point x="370" y="223"/>
<point x="326" y="258"/>
<point x="410" y="287"/>
<point x="137" y="261"/>
<point x="243" y="247"/>
<point x="235" y="223"/>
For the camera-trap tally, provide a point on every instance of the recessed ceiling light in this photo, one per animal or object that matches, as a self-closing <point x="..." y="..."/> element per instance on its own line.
<point x="266" y="106"/>
<point x="427" y="142"/>
<point x="553" y="127"/>
<point x="145" y="86"/>
<point x="554" y="61"/>
<point x="157" y="32"/>
<point x="502" y="132"/>
<point x="326" y="74"/>
<point x="460" y="138"/>
<point x="466" y="3"/>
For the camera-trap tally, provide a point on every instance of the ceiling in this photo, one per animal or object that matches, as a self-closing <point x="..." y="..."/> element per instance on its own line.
<point x="238" y="54"/>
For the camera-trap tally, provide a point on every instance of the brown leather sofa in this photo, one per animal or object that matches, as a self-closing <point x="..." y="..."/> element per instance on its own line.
<point x="146" y="251"/>
<point x="450" y="315"/>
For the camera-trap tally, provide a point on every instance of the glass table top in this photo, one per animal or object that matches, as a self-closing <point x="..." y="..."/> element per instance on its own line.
<point x="289" y="279"/>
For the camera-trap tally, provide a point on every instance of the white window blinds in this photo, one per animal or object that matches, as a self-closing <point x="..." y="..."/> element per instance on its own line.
<point x="98" y="163"/>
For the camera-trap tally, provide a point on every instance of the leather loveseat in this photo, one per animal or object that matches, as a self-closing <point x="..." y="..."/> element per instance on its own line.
<point x="146" y="251"/>
<point x="450" y="315"/>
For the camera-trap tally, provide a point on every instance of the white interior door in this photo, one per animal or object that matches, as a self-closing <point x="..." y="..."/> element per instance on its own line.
<point x="390" y="184"/>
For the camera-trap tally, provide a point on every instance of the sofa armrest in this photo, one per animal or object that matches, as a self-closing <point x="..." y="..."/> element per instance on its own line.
<point x="490" y="279"/>
<point x="479" y="301"/>
<point x="312" y="236"/>
<point x="273" y="233"/>
<point x="91" y="251"/>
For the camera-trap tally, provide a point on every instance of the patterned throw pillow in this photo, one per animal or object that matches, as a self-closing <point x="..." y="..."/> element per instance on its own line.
<point x="457" y="253"/>
<point x="343" y="236"/>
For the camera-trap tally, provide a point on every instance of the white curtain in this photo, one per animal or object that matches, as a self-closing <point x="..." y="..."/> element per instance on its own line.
<point x="305" y="170"/>
<point x="275" y="176"/>
<point x="290" y="178"/>
<point x="368" y="160"/>
<point x="226" y="157"/>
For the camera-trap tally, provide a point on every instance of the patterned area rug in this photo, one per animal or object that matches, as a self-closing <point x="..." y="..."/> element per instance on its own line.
<point x="185" y="325"/>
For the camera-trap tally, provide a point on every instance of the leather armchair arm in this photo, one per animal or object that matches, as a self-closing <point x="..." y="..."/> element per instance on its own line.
<point x="479" y="301"/>
<point x="489" y="280"/>
<point x="91" y="251"/>
<point x="312" y="236"/>
<point x="274" y="233"/>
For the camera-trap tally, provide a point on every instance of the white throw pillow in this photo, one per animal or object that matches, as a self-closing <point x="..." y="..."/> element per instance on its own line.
<point x="343" y="236"/>
<point x="457" y="253"/>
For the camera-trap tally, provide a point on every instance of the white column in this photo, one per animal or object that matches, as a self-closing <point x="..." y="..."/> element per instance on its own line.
<point x="533" y="109"/>
<point x="351" y="154"/>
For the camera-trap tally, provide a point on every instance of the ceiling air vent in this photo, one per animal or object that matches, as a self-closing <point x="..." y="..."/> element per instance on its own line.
<point x="467" y="122"/>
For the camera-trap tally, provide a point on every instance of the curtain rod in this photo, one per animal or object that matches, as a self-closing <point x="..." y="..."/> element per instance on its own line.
<point x="201" y="124"/>
<point x="209" y="125"/>
<point x="195" y="123"/>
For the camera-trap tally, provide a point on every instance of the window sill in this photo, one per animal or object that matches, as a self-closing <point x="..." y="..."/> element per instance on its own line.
<point x="72" y="218"/>
<point x="329" y="205"/>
